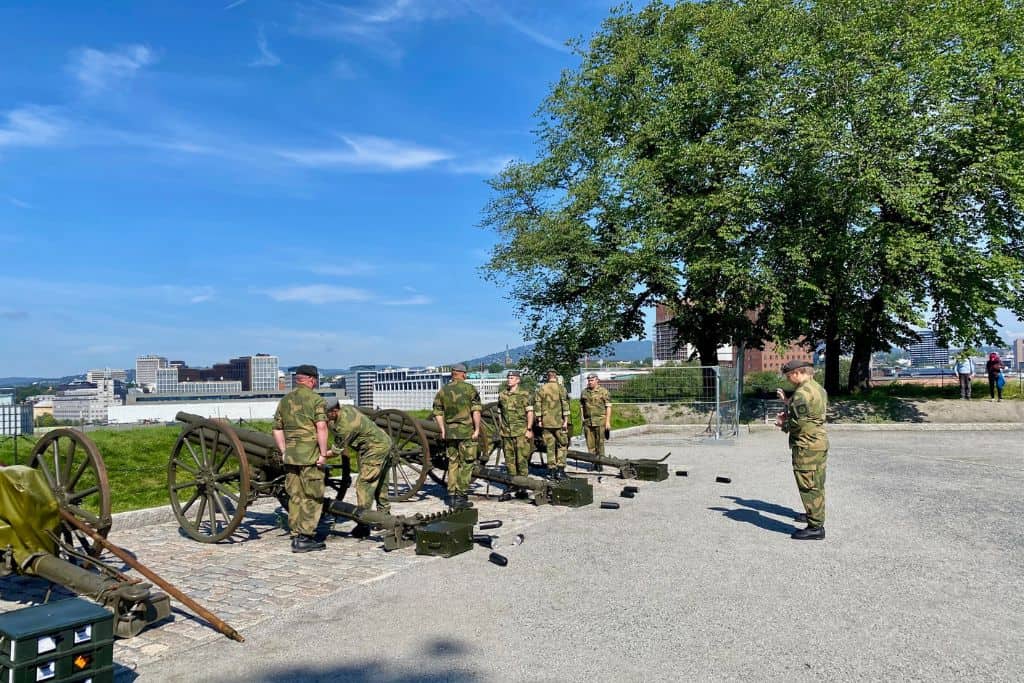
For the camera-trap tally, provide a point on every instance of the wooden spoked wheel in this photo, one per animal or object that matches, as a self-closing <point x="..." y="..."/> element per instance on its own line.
<point x="208" y="481"/>
<point x="75" y="472"/>
<point x="490" y="435"/>
<point x="410" y="454"/>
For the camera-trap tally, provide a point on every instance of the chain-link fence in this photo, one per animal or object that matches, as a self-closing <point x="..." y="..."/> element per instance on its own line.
<point x="676" y="394"/>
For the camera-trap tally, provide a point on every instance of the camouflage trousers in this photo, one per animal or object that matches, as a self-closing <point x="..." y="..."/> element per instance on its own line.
<point x="595" y="438"/>
<point x="517" y="450"/>
<point x="371" y="486"/>
<point x="556" y="442"/>
<point x="461" y="461"/>
<point x="304" y="485"/>
<point x="809" y="470"/>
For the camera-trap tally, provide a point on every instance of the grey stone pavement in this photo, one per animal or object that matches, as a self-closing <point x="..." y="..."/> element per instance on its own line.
<point x="920" y="578"/>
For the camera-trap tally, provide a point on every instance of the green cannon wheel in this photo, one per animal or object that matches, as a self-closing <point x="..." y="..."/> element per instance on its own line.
<point x="74" y="470"/>
<point x="208" y="481"/>
<point x="409" y="451"/>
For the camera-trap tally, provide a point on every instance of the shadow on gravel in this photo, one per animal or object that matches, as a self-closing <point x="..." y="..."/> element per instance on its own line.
<point x="375" y="672"/>
<point x="763" y="506"/>
<point x="751" y="514"/>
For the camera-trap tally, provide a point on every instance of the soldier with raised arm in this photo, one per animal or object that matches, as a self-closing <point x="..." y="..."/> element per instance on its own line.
<point x="516" y="407"/>
<point x="457" y="413"/>
<point x="551" y="405"/>
<point x="300" y="432"/>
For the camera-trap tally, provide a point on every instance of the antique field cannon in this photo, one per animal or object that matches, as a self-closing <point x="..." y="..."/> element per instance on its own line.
<point x="569" y="492"/>
<point x="216" y="471"/>
<point x="643" y="469"/>
<point x="54" y="517"/>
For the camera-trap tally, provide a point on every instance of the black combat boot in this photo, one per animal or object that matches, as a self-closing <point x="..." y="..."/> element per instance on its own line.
<point x="521" y="494"/>
<point x="811" y="533"/>
<point x="360" y="530"/>
<point x="305" y="544"/>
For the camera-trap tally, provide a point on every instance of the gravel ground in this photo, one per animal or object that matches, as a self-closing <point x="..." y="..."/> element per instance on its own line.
<point x="919" y="579"/>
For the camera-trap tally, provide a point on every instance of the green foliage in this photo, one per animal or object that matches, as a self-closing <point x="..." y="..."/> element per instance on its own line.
<point x="835" y="171"/>
<point x="495" y="367"/>
<point x="22" y="393"/>
<point x="662" y="385"/>
<point x="46" y="420"/>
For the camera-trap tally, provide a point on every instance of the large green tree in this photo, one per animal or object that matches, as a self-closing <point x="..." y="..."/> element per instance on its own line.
<point x="835" y="170"/>
<point x="641" y="194"/>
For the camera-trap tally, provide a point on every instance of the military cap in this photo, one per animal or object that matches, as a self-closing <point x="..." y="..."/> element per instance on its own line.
<point x="332" y="403"/>
<point x="592" y="376"/>
<point x="552" y="371"/>
<point x="459" y="367"/>
<point x="308" y="370"/>
<point x="513" y="373"/>
<point x="792" y="365"/>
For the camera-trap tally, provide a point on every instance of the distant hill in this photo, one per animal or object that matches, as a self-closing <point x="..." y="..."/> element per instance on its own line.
<point x="634" y="349"/>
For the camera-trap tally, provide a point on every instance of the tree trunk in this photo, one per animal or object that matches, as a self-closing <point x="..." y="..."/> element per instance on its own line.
<point x="833" y="348"/>
<point x="863" y="345"/>
<point x="707" y="349"/>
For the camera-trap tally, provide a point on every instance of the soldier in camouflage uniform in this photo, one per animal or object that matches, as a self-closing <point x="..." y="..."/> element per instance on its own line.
<point x="350" y="427"/>
<point x="457" y="412"/>
<point x="300" y="432"/>
<point x="516" y="407"/>
<point x="596" y="412"/>
<point x="804" y="420"/>
<point x="551" y="405"/>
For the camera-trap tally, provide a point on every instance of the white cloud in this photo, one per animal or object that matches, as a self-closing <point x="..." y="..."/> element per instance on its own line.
<point x="494" y="12"/>
<point x="414" y="300"/>
<point x="20" y="204"/>
<point x="235" y="4"/>
<point x="368" y="152"/>
<point x="487" y="167"/>
<point x="347" y="270"/>
<point x="266" y="58"/>
<point x="30" y="127"/>
<point x="319" y="294"/>
<point x="97" y="70"/>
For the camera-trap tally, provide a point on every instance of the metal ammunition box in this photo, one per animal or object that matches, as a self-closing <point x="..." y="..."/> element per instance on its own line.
<point x="652" y="471"/>
<point x="63" y="641"/>
<point x="444" y="539"/>
<point x="572" y="493"/>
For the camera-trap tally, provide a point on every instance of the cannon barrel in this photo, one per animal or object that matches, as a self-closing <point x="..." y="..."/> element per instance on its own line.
<point x="134" y="605"/>
<point x="644" y="469"/>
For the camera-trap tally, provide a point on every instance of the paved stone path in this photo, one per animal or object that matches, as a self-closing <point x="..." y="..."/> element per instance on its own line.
<point x="253" y="576"/>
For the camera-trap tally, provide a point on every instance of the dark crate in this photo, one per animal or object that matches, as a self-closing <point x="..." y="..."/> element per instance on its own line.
<point x="94" y="663"/>
<point x="572" y="493"/>
<point x="51" y="631"/>
<point x="652" y="471"/>
<point x="444" y="539"/>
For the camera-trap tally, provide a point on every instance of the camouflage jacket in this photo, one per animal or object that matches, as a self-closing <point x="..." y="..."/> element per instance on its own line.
<point x="297" y="415"/>
<point x="514" y="407"/>
<point x="456" y="402"/>
<point x="593" y="404"/>
<point x="355" y="429"/>
<point x="551" y="405"/>
<point x="805" y="421"/>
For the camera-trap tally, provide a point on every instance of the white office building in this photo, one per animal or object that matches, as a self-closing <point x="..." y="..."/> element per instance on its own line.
<point x="145" y="369"/>
<point x="263" y="372"/>
<point x="405" y="388"/>
<point x="487" y="384"/>
<point x="95" y="376"/>
<point x="85" y="402"/>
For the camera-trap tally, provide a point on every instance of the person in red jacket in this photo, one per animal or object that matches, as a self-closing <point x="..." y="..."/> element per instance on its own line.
<point x="994" y="368"/>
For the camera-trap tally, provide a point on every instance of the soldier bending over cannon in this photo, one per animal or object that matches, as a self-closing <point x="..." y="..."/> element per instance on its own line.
<point x="352" y="428"/>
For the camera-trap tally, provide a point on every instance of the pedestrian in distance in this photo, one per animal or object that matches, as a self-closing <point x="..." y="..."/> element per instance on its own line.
<point x="804" y="421"/>
<point x="551" y="404"/>
<point x="350" y="427"/>
<point x="457" y="413"/>
<point x="300" y="432"/>
<point x="515" y="407"/>
<point x="596" y="413"/>
<point x="964" y="369"/>
<point x="996" y="380"/>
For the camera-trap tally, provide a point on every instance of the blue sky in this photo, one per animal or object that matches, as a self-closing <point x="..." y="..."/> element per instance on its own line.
<point x="203" y="180"/>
